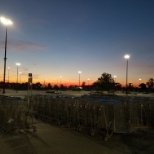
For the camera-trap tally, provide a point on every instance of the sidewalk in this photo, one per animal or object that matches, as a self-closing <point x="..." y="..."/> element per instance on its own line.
<point x="53" y="140"/>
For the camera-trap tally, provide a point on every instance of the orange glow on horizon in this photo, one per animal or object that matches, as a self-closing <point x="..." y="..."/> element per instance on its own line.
<point x="66" y="81"/>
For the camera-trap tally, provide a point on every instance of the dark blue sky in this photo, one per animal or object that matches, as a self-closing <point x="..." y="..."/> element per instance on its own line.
<point x="53" y="38"/>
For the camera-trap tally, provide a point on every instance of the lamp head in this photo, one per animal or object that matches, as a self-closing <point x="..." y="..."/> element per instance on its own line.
<point x="127" y="56"/>
<point x="18" y="64"/>
<point x="5" y="21"/>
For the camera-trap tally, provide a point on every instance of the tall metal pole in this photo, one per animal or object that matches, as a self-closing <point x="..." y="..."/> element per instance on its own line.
<point x="8" y="74"/>
<point x="17" y="74"/>
<point x="5" y="62"/>
<point x="20" y="78"/>
<point x="126" y="76"/>
<point x="79" y="79"/>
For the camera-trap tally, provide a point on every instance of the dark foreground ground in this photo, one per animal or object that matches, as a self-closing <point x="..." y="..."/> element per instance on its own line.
<point x="50" y="139"/>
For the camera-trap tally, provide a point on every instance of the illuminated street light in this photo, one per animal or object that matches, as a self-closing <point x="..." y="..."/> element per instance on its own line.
<point x="126" y="57"/>
<point x="18" y="64"/>
<point x="6" y="22"/>
<point x="79" y="77"/>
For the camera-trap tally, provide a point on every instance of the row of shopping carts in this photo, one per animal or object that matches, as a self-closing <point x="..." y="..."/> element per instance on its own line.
<point x="15" y="115"/>
<point x="96" y="114"/>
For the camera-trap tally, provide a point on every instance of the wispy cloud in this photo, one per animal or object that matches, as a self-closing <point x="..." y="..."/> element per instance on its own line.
<point x="23" y="45"/>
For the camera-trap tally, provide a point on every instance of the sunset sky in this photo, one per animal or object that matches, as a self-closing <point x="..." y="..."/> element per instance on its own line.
<point x="53" y="38"/>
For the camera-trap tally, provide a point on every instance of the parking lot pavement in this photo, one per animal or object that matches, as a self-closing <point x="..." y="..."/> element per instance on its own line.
<point x="70" y="93"/>
<point x="24" y="93"/>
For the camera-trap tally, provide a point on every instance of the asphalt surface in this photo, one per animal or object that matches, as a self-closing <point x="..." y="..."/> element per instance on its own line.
<point x="70" y="93"/>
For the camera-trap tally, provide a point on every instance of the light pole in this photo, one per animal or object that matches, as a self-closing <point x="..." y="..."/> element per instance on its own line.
<point x="126" y="57"/>
<point x="8" y="73"/>
<point x="115" y="78"/>
<point x="20" y="76"/>
<point x="5" y="22"/>
<point x="44" y="82"/>
<point x="60" y="79"/>
<point x="18" y="64"/>
<point x="79" y="77"/>
<point x="115" y="81"/>
<point x="139" y="81"/>
<point x="88" y="81"/>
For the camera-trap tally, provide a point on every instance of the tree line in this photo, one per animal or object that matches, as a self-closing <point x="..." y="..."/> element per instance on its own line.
<point x="104" y="82"/>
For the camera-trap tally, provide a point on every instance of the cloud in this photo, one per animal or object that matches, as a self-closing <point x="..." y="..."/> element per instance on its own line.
<point x="23" y="45"/>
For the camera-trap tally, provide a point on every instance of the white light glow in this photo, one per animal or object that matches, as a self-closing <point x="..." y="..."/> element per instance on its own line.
<point x="5" y="21"/>
<point x="127" y="56"/>
<point x="18" y="64"/>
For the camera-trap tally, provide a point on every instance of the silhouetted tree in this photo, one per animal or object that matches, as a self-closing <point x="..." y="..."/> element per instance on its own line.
<point x="56" y="87"/>
<point x="142" y="86"/>
<point x="83" y="84"/>
<point x="150" y="83"/>
<point x="49" y="86"/>
<point x="37" y="85"/>
<point x="117" y="86"/>
<point x="62" y="87"/>
<point x="105" y="82"/>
